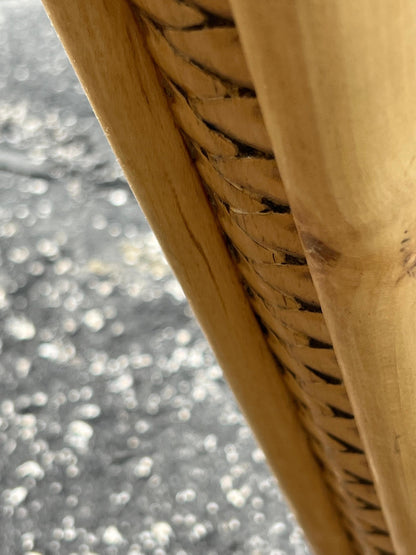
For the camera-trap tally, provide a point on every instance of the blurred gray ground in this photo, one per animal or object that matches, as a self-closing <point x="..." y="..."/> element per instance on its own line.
<point x="118" y="434"/>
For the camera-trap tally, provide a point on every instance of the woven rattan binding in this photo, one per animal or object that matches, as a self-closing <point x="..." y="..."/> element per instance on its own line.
<point x="196" y="48"/>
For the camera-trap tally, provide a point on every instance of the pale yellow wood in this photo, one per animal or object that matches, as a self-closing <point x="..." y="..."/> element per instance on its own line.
<point x="242" y="230"/>
<point x="107" y="51"/>
<point x="202" y="45"/>
<point x="238" y="117"/>
<point x="171" y="13"/>
<point x="293" y="281"/>
<point x="218" y="7"/>
<point x="243" y="172"/>
<point x="311" y="324"/>
<point x="324" y="359"/>
<point x="263" y="241"/>
<point x="225" y="191"/>
<point x="337" y="85"/>
<point x="213" y="141"/>
<point x="292" y="356"/>
<point x="180" y="69"/>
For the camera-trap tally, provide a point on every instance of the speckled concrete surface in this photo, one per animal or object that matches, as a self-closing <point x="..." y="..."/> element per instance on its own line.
<point x="118" y="434"/>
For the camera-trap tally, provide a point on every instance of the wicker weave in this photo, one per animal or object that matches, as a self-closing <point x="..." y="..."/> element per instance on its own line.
<point x="214" y="104"/>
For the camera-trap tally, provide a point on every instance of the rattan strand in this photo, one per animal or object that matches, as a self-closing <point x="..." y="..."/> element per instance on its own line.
<point x="215" y="106"/>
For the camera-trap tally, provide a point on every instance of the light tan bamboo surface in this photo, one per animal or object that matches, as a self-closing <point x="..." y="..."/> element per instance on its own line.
<point x="338" y="94"/>
<point x="170" y="84"/>
<point x="107" y="50"/>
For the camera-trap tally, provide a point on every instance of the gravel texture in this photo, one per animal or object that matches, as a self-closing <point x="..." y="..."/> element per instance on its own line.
<point x="118" y="434"/>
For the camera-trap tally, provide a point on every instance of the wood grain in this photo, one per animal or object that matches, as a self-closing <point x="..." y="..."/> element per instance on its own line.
<point x="117" y="72"/>
<point x="337" y="91"/>
<point x="266" y="248"/>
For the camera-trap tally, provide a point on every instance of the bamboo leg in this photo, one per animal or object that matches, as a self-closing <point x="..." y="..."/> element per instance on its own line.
<point x="107" y="51"/>
<point x="336" y="83"/>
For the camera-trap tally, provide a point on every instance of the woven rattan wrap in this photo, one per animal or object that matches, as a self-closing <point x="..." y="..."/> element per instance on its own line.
<point x="214" y="104"/>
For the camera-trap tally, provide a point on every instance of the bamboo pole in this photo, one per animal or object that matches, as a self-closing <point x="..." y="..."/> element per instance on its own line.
<point x="336" y="83"/>
<point x="108" y="53"/>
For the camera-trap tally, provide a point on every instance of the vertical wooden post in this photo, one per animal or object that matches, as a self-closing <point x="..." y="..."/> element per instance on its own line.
<point x="107" y="51"/>
<point x="336" y="83"/>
